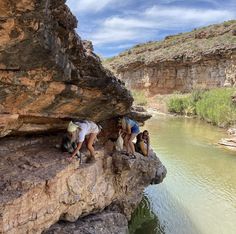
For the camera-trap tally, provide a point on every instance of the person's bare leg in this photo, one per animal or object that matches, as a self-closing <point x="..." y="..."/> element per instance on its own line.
<point x="131" y="144"/>
<point x="126" y="141"/>
<point x="91" y="140"/>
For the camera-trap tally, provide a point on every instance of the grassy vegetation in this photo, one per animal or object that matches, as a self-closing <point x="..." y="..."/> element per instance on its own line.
<point x="181" y="104"/>
<point x="214" y="106"/>
<point x="139" y="97"/>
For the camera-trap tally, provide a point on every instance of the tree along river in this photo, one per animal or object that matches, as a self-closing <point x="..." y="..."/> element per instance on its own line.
<point x="198" y="195"/>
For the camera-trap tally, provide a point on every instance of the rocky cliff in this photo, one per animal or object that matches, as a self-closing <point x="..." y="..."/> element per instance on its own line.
<point x="203" y="58"/>
<point x="39" y="186"/>
<point x="48" y="76"/>
<point x="47" y="73"/>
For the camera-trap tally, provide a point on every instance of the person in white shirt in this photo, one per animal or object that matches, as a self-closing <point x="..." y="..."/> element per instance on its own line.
<point x="78" y="131"/>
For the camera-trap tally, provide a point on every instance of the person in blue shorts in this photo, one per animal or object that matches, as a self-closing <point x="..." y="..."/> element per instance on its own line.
<point x="130" y="129"/>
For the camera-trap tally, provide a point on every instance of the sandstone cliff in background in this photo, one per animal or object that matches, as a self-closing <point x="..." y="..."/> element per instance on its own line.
<point x="203" y="58"/>
<point x="47" y="73"/>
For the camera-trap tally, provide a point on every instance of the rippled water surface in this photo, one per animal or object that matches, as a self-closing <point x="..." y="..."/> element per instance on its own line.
<point x="198" y="195"/>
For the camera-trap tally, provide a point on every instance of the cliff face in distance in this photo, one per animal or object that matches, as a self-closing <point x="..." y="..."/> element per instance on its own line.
<point x="203" y="58"/>
<point x="48" y="74"/>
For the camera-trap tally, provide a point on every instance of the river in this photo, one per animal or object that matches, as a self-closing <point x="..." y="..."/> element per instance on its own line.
<point x="198" y="196"/>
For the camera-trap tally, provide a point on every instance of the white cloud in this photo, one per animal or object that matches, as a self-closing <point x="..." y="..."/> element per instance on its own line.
<point x="92" y="6"/>
<point x="187" y="16"/>
<point x="146" y="25"/>
<point x="121" y="46"/>
<point x="129" y="22"/>
<point x="109" y="35"/>
<point x="87" y="5"/>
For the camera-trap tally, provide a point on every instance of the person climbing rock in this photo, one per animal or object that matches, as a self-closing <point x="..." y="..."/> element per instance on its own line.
<point x="140" y="145"/>
<point x="77" y="131"/>
<point x="130" y="130"/>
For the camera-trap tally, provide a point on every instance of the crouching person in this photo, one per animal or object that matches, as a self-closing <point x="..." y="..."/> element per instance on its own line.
<point x="77" y="131"/>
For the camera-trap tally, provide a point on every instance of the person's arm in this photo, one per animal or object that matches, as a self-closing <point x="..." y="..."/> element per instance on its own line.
<point x="80" y="140"/>
<point x="128" y="129"/>
<point x="148" y="145"/>
<point x="143" y="148"/>
<point x="77" y="149"/>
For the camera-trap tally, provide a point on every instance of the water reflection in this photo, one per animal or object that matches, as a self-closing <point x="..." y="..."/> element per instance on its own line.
<point x="144" y="220"/>
<point x="199" y="194"/>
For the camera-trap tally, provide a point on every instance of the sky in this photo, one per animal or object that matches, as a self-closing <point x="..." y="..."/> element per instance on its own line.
<point x="116" y="25"/>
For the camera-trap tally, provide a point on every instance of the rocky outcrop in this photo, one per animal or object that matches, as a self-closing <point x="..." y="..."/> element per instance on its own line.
<point x="42" y="187"/>
<point x="202" y="59"/>
<point x="229" y="143"/>
<point x="48" y="74"/>
<point x="104" y="223"/>
<point x="230" y="72"/>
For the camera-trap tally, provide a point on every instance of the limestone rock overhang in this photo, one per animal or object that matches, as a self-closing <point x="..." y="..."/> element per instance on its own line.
<point x="48" y="74"/>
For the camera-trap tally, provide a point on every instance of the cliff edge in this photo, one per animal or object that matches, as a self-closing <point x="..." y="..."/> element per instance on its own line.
<point x="202" y="59"/>
<point x="48" y="76"/>
<point x="39" y="186"/>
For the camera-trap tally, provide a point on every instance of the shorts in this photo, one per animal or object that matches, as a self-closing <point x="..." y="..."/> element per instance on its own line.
<point x="135" y="129"/>
<point x="94" y="128"/>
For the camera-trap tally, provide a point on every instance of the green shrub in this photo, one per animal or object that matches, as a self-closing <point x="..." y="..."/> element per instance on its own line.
<point x="175" y="105"/>
<point x="197" y="95"/>
<point x="180" y="104"/>
<point x="216" y="106"/>
<point x="189" y="107"/>
<point x="139" y="97"/>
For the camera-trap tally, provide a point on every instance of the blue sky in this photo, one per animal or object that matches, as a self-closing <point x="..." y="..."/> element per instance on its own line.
<point x="116" y="25"/>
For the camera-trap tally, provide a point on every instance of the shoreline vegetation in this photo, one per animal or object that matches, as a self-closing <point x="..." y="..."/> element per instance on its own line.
<point x="214" y="106"/>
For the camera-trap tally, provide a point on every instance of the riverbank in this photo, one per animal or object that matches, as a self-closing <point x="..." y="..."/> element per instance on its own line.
<point x="216" y="106"/>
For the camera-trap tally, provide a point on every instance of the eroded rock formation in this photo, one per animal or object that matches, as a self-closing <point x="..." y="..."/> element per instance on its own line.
<point x="42" y="186"/>
<point x="102" y="223"/>
<point x="230" y="72"/>
<point x="47" y="73"/>
<point x="229" y="143"/>
<point x="48" y="76"/>
<point x="202" y="59"/>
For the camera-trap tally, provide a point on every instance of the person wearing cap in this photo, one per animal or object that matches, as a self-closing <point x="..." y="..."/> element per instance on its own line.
<point x="78" y="131"/>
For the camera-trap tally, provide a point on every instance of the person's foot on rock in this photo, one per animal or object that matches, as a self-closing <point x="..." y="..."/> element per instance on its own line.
<point x="90" y="159"/>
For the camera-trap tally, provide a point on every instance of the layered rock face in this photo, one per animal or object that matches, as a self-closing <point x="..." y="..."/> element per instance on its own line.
<point x="43" y="187"/>
<point x="230" y="72"/>
<point x="47" y="73"/>
<point x="102" y="223"/>
<point x="202" y="59"/>
<point x="170" y="77"/>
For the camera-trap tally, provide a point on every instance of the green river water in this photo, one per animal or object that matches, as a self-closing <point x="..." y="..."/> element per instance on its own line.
<point x="198" y="196"/>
